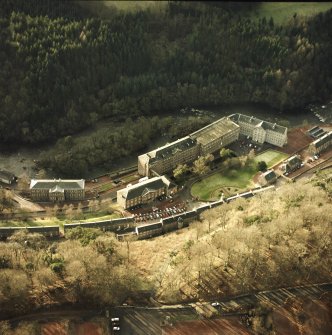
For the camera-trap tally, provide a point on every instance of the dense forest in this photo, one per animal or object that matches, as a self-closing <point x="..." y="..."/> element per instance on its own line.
<point x="64" y="69"/>
<point x="72" y="157"/>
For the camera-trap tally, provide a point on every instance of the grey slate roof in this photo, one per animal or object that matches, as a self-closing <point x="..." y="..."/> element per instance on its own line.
<point x="269" y="175"/>
<point x="273" y="126"/>
<point x="66" y="184"/>
<point x="57" y="188"/>
<point x="172" y="148"/>
<point x="293" y="161"/>
<point x="313" y="129"/>
<point x="141" y="189"/>
<point x="257" y="122"/>
<point x="7" y="175"/>
<point x="319" y="142"/>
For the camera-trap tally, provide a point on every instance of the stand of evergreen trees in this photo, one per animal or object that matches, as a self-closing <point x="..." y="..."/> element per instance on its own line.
<point x="63" y="69"/>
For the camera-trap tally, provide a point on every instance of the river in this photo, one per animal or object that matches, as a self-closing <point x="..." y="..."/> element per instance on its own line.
<point x="21" y="160"/>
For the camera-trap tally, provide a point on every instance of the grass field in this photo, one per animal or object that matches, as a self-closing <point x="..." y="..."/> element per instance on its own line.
<point x="105" y="9"/>
<point x="284" y="11"/>
<point x="134" y="5"/>
<point x="270" y="157"/>
<point x="207" y="189"/>
<point x="89" y="217"/>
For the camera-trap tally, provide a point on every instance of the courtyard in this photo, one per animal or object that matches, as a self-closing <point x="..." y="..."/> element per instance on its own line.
<point x="228" y="182"/>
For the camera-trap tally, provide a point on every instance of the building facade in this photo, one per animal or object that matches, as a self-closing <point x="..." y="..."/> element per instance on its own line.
<point x="207" y="140"/>
<point x="168" y="157"/>
<point x="143" y="192"/>
<point x="57" y="189"/>
<point x="321" y="144"/>
<point x="260" y="131"/>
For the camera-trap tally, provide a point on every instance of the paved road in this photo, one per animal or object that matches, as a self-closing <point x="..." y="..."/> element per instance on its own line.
<point x="136" y="320"/>
<point x="309" y="173"/>
<point x="275" y="297"/>
<point x="149" y="321"/>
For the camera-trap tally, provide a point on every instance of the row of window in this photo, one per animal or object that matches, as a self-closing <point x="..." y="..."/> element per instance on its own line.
<point x="142" y="199"/>
<point x="322" y="147"/>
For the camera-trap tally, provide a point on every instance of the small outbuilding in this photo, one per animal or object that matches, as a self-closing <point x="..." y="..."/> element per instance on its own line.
<point x="7" y="177"/>
<point x="291" y="164"/>
<point x="267" y="178"/>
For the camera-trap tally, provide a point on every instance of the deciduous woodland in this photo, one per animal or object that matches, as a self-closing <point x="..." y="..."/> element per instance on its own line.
<point x="64" y="69"/>
<point x="278" y="239"/>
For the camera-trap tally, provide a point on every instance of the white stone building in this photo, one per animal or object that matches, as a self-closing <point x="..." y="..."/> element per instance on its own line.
<point x="261" y="131"/>
<point x="206" y="140"/>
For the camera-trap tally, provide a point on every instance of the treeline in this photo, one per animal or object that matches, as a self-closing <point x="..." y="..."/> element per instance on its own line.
<point x="61" y="72"/>
<point x="90" y="268"/>
<point x="278" y="239"/>
<point x="72" y="157"/>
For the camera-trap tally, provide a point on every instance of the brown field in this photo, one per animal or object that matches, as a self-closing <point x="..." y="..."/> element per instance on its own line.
<point x="297" y="139"/>
<point x="54" y="328"/>
<point x="310" y="317"/>
<point x="88" y="328"/>
<point x="229" y="326"/>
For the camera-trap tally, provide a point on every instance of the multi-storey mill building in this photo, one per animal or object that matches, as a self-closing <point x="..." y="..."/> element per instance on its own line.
<point x="207" y="140"/>
<point x="261" y="131"/>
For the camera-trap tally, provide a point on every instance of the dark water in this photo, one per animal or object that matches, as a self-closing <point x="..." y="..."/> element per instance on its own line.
<point x="11" y="157"/>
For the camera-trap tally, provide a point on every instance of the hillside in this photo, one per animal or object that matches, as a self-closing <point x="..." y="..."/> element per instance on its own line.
<point x="275" y="240"/>
<point x="65" y="68"/>
<point x="278" y="239"/>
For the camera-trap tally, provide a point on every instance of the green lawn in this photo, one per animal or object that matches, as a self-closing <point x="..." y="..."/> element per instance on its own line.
<point x="94" y="217"/>
<point x="105" y="9"/>
<point x="89" y="217"/>
<point x="106" y="187"/>
<point x="207" y="189"/>
<point x="135" y="5"/>
<point x="31" y="223"/>
<point x="271" y="157"/>
<point x="284" y="11"/>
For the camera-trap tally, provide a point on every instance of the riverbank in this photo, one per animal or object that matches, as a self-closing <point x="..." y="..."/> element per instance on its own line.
<point x="22" y="160"/>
